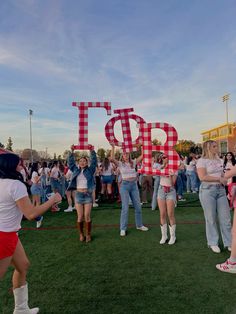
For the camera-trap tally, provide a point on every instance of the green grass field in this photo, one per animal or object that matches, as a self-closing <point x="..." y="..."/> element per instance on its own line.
<point x="134" y="274"/>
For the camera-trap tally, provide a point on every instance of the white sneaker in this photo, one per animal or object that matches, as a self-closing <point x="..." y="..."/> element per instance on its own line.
<point x="122" y="233"/>
<point x="143" y="228"/>
<point x="227" y="267"/>
<point x="39" y="222"/>
<point x="68" y="210"/>
<point x="95" y="205"/>
<point x="215" y="248"/>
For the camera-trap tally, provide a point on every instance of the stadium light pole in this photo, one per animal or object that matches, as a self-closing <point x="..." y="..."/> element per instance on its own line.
<point x="31" y="150"/>
<point x="225" y="99"/>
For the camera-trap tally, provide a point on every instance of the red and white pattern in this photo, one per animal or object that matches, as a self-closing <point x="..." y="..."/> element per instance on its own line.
<point x="166" y="148"/>
<point x="124" y="116"/>
<point x="83" y="120"/>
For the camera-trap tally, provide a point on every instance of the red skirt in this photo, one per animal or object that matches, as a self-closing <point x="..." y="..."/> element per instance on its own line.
<point x="8" y="243"/>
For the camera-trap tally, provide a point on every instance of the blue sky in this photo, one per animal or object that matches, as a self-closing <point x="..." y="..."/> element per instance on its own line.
<point x="171" y="60"/>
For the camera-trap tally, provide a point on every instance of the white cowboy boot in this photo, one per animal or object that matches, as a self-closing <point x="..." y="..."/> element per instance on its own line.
<point x="163" y="234"/>
<point x="21" y="301"/>
<point x="172" y="234"/>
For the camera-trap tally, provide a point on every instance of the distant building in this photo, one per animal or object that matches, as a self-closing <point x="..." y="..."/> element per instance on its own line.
<point x="224" y="135"/>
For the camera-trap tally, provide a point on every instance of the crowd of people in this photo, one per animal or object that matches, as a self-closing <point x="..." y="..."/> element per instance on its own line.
<point x="86" y="180"/>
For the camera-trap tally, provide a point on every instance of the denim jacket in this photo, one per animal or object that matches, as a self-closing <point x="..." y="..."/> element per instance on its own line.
<point x="88" y="171"/>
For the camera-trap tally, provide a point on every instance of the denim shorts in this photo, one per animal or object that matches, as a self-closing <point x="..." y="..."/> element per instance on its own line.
<point x="83" y="197"/>
<point x="55" y="185"/>
<point x="35" y="189"/>
<point x="171" y="195"/>
<point x="107" y="179"/>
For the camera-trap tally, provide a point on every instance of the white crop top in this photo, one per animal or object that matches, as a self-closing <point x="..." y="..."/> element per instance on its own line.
<point x="81" y="181"/>
<point x="126" y="171"/>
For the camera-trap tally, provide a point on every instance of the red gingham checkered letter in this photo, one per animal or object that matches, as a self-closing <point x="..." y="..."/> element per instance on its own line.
<point x="127" y="145"/>
<point x="83" y="120"/>
<point x="167" y="148"/>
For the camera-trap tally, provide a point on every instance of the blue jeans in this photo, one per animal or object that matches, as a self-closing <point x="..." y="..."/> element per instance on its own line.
<point x="130" y="189"/>
<point x="182" y="174"/>
<point x="155" y="189"/>
<point x="179" y="186"/>
<point x="215" y="205"/>
<point x="191" y="181"/>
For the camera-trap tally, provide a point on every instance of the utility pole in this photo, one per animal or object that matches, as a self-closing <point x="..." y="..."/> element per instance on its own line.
<point x="225" y="99"/>
<point x="31" y="149"/>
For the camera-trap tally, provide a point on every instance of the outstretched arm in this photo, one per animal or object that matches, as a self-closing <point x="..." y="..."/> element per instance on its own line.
<point x="71" y="160"/>
<point x="93" y="157"/>
<point x="112" y="158"/>
<point x="140" y="158"/>
<point x="30" y="211"/>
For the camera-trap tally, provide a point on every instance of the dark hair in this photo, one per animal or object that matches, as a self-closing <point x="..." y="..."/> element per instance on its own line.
<point x="232" y="158"/>
<point x="35" y="167"/>
<point x="106" y="163"/>
<point x="8" y="165"/>
<point x="44" y="164"/>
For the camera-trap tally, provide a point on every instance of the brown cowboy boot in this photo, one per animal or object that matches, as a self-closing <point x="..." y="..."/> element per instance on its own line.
<point x="88" y="226"/>
<point x="80" y="227"/>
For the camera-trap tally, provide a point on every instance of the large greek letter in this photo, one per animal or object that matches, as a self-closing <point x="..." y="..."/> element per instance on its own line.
<point x="83" y="120"/>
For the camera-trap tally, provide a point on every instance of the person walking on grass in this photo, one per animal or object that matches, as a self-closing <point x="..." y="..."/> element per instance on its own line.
<point x="229" y="266"/>
<point x="14" y="203"/>
<point x="55" y="182"/>
<point x="166" y="198"/>
<point x="36" y="190"/>
<point x="213" y="197"/>
<point x="69" y="193"/>
<point x="106" y="179"/>
<point x="128" y="189"/>
<point x="83" y="182"/>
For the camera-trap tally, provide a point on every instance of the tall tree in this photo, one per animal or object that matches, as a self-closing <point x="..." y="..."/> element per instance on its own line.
<point x="101" y="153"/>
<point x="184" y="146"/>
<point x="9" y="144"/>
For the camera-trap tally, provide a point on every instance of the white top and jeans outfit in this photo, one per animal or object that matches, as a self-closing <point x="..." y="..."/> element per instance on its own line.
<point x="129" y="189"/>
<point x="214" y="202"/>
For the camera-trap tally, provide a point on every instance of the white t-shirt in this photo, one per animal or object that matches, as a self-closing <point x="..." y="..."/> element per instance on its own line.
<point x="214" y="167"/>
<point x="44" y="171"/>
<point x="54" y="173"/>
<point x="126" y="171"/>
<point x="191" y="166"/>
<point x="10" y="214"/>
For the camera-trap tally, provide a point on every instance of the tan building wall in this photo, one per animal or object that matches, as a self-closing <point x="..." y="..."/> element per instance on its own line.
<point x="224" y="136"/>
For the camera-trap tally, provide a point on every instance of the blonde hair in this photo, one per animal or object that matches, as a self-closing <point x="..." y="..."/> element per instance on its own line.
<point x="206" y="150"/>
